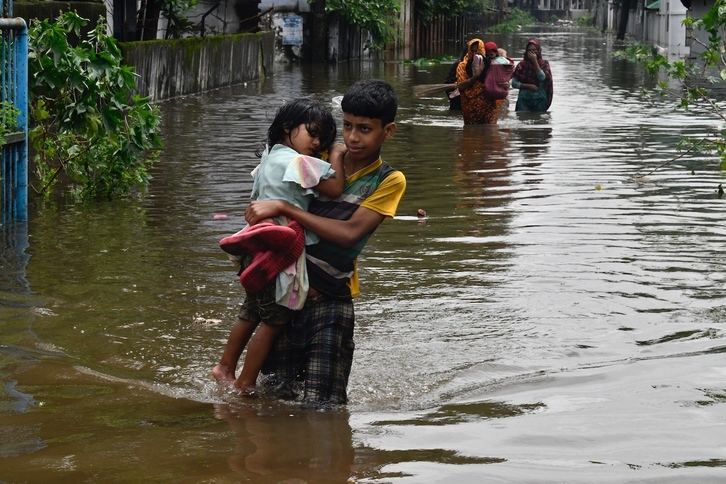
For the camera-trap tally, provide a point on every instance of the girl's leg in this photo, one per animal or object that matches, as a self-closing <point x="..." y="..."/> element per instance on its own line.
<point x="257" y="351"/>
<point x="238" y="338"/>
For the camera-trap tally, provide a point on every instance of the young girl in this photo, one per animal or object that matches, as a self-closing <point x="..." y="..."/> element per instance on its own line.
<point x="288" y="171"/>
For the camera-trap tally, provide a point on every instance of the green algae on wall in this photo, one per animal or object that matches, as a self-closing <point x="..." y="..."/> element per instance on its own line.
<point x="178" y="67"/>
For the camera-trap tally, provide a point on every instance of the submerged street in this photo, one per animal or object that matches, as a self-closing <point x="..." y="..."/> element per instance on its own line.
<point x="556" y="317"/>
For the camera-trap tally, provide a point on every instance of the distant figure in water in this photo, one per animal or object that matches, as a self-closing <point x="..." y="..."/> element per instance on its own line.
<point x="533" y="78"/>
<point x="479" y="105"/>
<point x="454" y="95"/>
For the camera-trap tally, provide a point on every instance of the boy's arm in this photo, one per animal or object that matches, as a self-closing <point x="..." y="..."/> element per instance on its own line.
<point x="333" y="186"/>
<point x="343" y="233"/>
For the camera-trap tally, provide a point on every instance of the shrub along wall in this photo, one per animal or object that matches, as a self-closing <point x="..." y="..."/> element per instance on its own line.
<point x="171" y="68"/>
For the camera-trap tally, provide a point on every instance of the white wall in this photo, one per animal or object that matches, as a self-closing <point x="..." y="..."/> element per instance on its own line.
<point x="664" y="29"/>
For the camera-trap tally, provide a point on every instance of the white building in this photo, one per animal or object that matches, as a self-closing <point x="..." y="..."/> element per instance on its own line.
<point x="663" y="27"/>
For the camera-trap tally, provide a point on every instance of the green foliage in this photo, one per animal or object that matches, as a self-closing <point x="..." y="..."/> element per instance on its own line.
<point x="585" y="21"/>
<point x="513" y="21"/>
<point x="636" y="51"/>
<point x="378" y="17"/>
<point x="691" y="82"/>
<point x="424" y="61"/>
<point x="85" y="124"/>
<point x="175" y="12"/>
<point x="428" y="9"/>
<point x="8" y="119"/>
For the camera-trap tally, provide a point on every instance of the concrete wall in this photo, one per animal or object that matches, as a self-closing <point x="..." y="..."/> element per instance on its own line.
<point x="699" y="10"/>
<point x="663" y="28"/>
<point x="171" y="68"/>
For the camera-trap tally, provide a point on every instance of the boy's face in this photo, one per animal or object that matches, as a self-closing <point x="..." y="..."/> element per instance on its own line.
<point x="364" y="137"/>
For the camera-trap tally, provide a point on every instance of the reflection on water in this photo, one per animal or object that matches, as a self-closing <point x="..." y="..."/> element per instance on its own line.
<point x="311" y="446"/>
<point x="556" y="317"/>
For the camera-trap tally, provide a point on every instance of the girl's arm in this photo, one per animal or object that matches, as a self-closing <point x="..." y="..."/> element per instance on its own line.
<point x="333" y="187"/>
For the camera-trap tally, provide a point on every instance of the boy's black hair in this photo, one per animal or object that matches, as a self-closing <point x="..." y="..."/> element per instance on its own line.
<point x="313" y="114"/>
<point x="371" y="98"/>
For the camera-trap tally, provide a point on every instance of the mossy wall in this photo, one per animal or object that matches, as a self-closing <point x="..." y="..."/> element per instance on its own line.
<point x="171" y="68"/>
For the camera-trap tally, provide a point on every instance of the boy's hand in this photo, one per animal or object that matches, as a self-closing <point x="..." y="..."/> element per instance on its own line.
<point x="259" y="210"/>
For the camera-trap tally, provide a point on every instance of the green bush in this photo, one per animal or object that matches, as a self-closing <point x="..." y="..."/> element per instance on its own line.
<point x="585" y="21"/>
<point x="8" y="119"/>
<point x="513" y="21"/>
<point x="378" y="18"/>
<point x="85" y="123"/>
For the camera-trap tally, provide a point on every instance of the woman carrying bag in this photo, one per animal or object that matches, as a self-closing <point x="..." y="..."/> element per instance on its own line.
<point x="481" y="84"/>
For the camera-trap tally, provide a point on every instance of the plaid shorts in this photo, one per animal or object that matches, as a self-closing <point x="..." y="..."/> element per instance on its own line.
<point x="261" y="307"/>
<point x="317" y="348"/>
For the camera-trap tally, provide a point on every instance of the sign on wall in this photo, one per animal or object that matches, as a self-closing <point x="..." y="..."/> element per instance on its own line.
<point x="292" y="30"/>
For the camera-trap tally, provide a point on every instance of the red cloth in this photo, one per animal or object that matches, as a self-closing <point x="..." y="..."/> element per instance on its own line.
<point x="496" y="75"/>
<point x="268" y="264"/>
<point x="261" y="237"/>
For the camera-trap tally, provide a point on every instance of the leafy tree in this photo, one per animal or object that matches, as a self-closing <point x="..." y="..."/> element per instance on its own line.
<point x="380" y="18"/>
<point x="586" y="20"/>
<point x="377" y="17"/>
<point x="86" y="125"/>
<point x="175" y="12"/>
<point x="694" y="83"/>
<point x="513" y="21"/>
<point x="428" y="9"/>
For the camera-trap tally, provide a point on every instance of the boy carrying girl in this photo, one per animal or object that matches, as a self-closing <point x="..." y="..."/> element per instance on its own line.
<point x="317" y="347"/>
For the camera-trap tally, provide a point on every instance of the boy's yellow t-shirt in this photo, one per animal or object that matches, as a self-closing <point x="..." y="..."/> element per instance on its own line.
<point x="384" y="201"/>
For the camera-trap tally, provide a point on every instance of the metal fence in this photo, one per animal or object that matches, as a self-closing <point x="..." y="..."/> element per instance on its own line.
<point x="14" y="94"/>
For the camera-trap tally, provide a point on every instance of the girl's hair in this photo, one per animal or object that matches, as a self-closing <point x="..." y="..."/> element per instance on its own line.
<point x="313" y="114"/>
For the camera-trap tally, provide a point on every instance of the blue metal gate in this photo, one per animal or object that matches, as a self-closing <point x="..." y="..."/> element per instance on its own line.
<point x="14" y="91"/>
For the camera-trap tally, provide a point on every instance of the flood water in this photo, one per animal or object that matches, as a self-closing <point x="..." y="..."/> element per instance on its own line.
<point x="557" y="317"/>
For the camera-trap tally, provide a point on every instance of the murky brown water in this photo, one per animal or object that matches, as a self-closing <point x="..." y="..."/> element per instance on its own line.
<point x="552" y="320"/>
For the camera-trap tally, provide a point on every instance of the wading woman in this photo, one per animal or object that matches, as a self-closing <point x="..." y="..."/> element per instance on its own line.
<point x="471" y="73"/>
<point x="533" y="78"/>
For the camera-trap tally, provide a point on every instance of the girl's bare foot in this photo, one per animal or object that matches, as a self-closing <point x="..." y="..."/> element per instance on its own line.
<point x="224" y="377"/>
